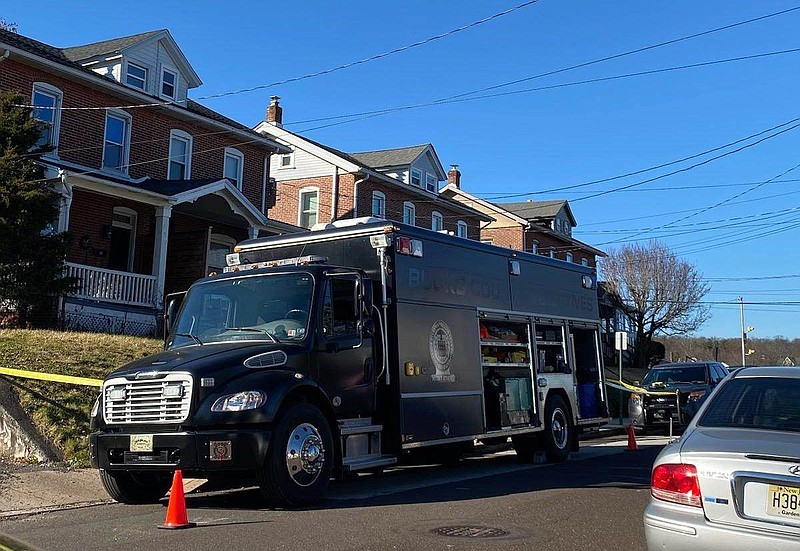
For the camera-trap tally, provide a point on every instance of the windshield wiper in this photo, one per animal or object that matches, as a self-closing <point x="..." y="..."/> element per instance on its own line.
<point x="195" y="338"/>
<point x="272" y="337"/>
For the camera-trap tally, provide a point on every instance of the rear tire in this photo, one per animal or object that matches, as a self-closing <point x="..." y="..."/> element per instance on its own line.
<point x="558" y="429"/>
<point x="299" y="463"/>
<point x="135" y="488"/>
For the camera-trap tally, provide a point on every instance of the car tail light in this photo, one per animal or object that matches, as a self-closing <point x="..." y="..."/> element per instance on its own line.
<point x="676" y="482"/>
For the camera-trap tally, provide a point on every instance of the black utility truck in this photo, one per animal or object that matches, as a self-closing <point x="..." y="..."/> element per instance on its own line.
<point x="348" y="349"/>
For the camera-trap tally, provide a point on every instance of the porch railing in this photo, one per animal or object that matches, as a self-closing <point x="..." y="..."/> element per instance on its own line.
<point x="112" y="285"/>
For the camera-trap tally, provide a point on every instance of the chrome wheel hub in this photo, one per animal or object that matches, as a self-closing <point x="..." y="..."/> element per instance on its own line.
<point x="559" y="427"/>
<point x="305" y="454"/>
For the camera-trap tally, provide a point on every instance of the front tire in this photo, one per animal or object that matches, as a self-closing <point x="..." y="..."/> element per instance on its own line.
<point x="300" y="459"/>
<point x="558" y="432"/>
<point x="135" y="488"/>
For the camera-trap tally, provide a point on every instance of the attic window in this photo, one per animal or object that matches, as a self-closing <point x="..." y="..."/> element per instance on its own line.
<point x="416" y="177"/>
<point x="136" y="76"/>
<point x="430" y="182"/>
<point x="168" y="83"/>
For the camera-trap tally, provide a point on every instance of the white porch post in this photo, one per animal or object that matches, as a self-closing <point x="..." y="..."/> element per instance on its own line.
<point x="160" y="253"/>
<point x="65" y="202"/>
<point x="252" y="232"/>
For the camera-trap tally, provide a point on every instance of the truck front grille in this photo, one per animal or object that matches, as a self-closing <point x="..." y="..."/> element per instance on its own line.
<point x="161" y="398"/>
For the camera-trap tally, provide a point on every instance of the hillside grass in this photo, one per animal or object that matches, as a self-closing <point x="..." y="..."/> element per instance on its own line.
<point x="61" y="411"/>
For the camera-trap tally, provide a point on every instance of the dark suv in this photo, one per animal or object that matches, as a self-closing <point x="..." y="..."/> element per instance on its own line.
<point x="673" y="391"/>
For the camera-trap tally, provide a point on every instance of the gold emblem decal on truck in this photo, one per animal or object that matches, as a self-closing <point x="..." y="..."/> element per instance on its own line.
<point x="441" y="349"/>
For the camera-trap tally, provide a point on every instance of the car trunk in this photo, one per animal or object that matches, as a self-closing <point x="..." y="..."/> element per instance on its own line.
<point x="750" y="484"/>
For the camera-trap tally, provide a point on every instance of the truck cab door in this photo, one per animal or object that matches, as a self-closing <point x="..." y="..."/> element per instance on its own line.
<point x="346" y="362"/>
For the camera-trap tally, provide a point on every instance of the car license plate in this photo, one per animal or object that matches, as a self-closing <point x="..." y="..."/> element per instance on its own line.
<point x="783" y="501"/>
<point x="141" y="442"/>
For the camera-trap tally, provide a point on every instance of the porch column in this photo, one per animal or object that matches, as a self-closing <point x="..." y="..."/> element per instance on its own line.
<point x="65" y="202"/>
<point x="252" y="232"/>
<point x="160" y="253"/>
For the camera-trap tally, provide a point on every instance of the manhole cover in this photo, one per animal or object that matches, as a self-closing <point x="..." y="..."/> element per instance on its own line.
<point x="469" y="532"/>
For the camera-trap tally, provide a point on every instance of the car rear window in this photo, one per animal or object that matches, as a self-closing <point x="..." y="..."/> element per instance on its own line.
<point x="771" y="403"/>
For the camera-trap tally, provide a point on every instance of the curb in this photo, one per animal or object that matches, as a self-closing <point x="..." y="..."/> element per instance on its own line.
<point x="604" y="431"/>
<point x="8" y="515"/>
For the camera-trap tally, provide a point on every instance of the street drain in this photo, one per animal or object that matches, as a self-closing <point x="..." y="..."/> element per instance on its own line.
<point x="469" y="532"/>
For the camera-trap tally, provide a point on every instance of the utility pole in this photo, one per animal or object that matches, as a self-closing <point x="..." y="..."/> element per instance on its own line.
<point x="744" y="335"/>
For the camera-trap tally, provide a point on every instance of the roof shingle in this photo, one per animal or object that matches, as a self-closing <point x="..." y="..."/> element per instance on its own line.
<point x="390" y="157"/>
<point x="104" y="47"/>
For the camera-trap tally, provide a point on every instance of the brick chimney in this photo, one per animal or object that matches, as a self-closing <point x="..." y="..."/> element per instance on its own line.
<point x="454" y="176"/>
<point x="275" y="111"/>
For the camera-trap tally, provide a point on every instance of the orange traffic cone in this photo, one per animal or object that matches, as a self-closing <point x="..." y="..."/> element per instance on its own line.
<point x="631" y="440"/>
<point x="176" y="509"/>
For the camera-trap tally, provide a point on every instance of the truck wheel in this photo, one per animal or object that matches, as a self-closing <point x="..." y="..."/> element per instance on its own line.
<point x="135" y="487"/>
<point x="558" y="429"/>
<point x="527" y="447"/>
<point x="300" y="459"/>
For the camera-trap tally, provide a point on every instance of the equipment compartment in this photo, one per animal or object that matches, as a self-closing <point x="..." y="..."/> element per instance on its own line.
<point x="507" y="374"/>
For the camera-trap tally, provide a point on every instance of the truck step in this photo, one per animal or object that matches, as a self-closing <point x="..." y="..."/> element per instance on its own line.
<point x="368" y="462"/>
<point x="355" y="422"/>
<point x="362" y="429"/>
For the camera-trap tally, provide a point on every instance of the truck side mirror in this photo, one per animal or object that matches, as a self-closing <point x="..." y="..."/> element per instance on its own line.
<point x="174" y="301"/>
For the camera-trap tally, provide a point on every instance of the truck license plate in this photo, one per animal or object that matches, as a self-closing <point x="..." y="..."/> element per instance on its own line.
<point x="141" y="442"/>
<point x="783" y="501"/>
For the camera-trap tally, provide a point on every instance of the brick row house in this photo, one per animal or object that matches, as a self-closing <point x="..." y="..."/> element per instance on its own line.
<point x="153" y="196"/>
<point x="319" y="185"/>
<point x="539" y="227"/>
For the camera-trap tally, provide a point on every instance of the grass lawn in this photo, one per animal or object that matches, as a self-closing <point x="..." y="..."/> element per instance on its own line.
<point x="61" y="411"/>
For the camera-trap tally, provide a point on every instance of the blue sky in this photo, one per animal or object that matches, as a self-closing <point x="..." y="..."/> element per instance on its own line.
<point x="526" y="143"/>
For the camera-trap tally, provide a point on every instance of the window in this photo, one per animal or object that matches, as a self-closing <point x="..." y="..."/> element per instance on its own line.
<point x="136" y="76"/>
<point x="340" y="314"/>
<point x="584" y="261"/>
<point x="430" y="182"/>
<point x="409" y="213"/>
<point x="168" y="83"/>
<point x="416" y="177"/>
<point x="762" y="403"/>
<point x="569" y="257"/>
<point x="123" y="239"/>
<point x="461" y="229"/>
<point x="180" y="156"/>
<point x="218" y="248"/>
<point x="309" y="207"/>
<point x="378" y="204"/>
<point x="117" y="140"/>
<point x="286" y="161"/>
<point x="535" y="247"/>
<point x="437" y="222"/>
<point x="234" y="166"/>
<point x="47" y="110"/>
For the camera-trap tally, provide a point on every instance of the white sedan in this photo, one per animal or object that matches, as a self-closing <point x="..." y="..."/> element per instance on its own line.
<point x="732" y="481"/>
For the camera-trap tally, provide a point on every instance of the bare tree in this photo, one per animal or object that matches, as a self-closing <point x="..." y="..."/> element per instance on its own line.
<point x="662" y="291"/>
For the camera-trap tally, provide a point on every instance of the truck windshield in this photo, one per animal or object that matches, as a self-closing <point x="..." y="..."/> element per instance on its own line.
<point x="272" y="308"/>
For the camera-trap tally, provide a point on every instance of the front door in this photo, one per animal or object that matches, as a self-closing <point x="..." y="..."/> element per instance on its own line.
<point x="346" y="363"/>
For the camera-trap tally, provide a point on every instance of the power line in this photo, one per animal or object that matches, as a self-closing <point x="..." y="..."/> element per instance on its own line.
<point x="752" y="278"/>
<point x="354" y="117"/>
<point x="729" y="199"/>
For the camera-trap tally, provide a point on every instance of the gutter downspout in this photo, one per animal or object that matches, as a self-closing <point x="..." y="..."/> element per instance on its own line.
<point x="355" y="194"/>
<point x="334" y="193"/>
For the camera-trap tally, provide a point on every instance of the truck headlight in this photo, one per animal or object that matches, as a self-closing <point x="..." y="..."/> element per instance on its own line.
<point x="95" y="407"/>
<point x="250" y="399"/>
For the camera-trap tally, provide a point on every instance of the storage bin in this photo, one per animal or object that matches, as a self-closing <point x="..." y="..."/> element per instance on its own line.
<point x="587" y="400"/>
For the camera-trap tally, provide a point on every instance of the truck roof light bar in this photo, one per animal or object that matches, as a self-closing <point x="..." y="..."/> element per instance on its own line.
<point x="233" y="265"/>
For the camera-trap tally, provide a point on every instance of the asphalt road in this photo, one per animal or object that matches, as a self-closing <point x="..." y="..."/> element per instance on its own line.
<point x="593" y="502"/>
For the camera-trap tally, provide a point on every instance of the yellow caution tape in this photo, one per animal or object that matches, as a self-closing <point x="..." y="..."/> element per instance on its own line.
<point x="85" y="381"/>
<point x="622" y="385"/>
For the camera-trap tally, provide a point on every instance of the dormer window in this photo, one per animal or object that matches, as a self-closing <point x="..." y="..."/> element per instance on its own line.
<point x="430" y="182"/>
<point x="169" y="82"/>
<point x="416" y="177"/>
<point x="136" y="76"/>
